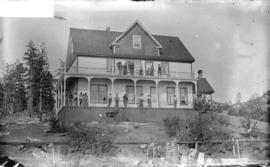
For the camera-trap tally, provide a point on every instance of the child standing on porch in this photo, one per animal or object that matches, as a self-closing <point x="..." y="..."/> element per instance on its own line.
<point x="110" y="100"/>
<point x="80" y="99"/>
<point x="125" y="100"/>
<point x="116" y="100"/>
<point x="174" y="101"/>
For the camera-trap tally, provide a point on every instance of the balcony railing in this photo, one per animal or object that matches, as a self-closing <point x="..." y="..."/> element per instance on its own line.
<point x="135" y="73"/>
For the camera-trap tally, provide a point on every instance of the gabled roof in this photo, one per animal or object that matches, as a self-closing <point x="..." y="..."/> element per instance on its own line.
<point x="203" y="86"/>
<point x="115" y="42"/>
<point x="96" y="43"/>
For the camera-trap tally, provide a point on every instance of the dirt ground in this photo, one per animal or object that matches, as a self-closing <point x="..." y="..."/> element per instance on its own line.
<point x="126" y="132"/>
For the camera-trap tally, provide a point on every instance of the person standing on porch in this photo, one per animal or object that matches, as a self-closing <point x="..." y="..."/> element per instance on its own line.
<point x="110" y="100"/>
<point x="149" y="101"/>
<point x="86" y="99"/>
<point x="75" y="99"/>
<point x="174" y="101"/>
<point x="141" y="99"/>
<point x="116" y="100"/>
<point x="125" y="100"/>
<point x="80" y="99"/>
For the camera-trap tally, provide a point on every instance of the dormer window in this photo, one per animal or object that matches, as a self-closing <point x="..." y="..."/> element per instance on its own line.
<point x="136" y="42"/>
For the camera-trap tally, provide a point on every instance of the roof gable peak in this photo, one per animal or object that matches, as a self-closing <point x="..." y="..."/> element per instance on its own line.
<point x="137" y="22"/>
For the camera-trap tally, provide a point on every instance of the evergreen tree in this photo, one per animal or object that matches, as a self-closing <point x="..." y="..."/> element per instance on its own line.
<point x="14" y="87"/>
<point x="40" y="79"/>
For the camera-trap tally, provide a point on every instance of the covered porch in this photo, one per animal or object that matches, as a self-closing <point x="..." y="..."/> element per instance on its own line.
<point x="90" y="91"/>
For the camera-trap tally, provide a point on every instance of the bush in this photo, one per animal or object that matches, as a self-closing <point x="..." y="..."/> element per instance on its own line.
<point x="89" y="140"/>
<point x="55" y="126"/>
<point x="172" y="125"/>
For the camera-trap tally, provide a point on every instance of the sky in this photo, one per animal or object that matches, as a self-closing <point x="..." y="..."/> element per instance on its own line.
<point x="228" y="39"/>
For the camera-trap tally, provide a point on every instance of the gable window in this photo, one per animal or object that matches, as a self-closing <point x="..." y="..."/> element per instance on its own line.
<point x="183" y="96"/>
<point x="136" y="42"/>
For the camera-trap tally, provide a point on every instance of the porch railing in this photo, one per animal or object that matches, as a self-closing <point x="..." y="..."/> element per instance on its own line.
<point x="136" y="72"/>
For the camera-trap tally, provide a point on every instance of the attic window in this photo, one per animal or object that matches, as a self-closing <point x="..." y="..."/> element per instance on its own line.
<point x="136" y="42"/>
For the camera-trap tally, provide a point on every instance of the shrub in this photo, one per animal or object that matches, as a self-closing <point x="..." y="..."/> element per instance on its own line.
<point x="172" y="125"/>
<point x="89" y="140"/>
<point x="55" y="126"/>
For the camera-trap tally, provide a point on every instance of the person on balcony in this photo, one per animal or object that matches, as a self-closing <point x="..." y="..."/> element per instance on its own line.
<point x="116" y="98"/>
<point x="125" y="100"/>
<point x="131" y="68"/>
<point x="110" y="100"/>
<point x="174" y="101"/>
<point x="125" y="69"/>
<point x="152" y="70"/>
<point x="159" y="70"/>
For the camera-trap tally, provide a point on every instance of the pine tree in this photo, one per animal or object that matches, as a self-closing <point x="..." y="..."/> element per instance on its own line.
<point x="40" y="78"/>
<point x="14" y="87"/>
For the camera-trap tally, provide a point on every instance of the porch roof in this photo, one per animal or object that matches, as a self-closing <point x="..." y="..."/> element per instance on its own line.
<point x="96" y="43"/>
<point x="203" y="86"/>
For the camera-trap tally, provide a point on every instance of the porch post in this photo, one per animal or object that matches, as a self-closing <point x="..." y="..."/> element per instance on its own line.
<point x="177" y="94"/>
<point x="64" y="91"/>
<point x="78" y="100"/>
<point x="135" y="91"/>
<point x="112" y="80"/>
<point x="89" y="89"/>
<point x="157" y="94"/>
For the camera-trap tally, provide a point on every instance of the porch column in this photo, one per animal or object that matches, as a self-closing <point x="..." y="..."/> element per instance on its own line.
<point x="135" y="91"/>
<point x="157" y="94"/>
<point x="78" y="100"/>
<point x="177" y="94"/>
<point x="89" y="89"/>
<point x="112" y="80"/>
<point x="64" y="91"/>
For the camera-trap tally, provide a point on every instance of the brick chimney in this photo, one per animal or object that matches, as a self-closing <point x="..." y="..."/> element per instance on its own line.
<point x="200" y="73"/>
<point x="108" y="28"/>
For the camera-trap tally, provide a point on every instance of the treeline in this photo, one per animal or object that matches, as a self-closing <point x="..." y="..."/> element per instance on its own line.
<point x="28" y="85"/>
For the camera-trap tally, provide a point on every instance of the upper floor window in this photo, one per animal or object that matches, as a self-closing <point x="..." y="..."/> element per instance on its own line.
<point x="136" y="42"/>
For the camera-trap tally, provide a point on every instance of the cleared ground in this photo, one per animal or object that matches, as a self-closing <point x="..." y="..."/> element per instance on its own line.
<point x="17" y="129"/>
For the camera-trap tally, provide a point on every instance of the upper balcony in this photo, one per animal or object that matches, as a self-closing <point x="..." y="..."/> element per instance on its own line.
<point x="136" y="73"/>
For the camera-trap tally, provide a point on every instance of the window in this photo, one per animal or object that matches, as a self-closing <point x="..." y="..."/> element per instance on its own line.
<point x="136" y="41"/>
<point x="164" y="67"/>
<point x="110" y="65"/>
<point x="170" y="95"/>
<point x="183" y="96"/>
<point x="130" y="93"/>
<point x="98" y="93"/>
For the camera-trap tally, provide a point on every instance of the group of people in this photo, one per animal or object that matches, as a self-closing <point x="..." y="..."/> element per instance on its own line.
<point x="73" y="99"/>
<point x="117" y="99"/>
<point x="125" y="100"/>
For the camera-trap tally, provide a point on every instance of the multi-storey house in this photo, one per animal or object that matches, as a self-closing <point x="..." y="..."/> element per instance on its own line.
<point x="154" y="71"/>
